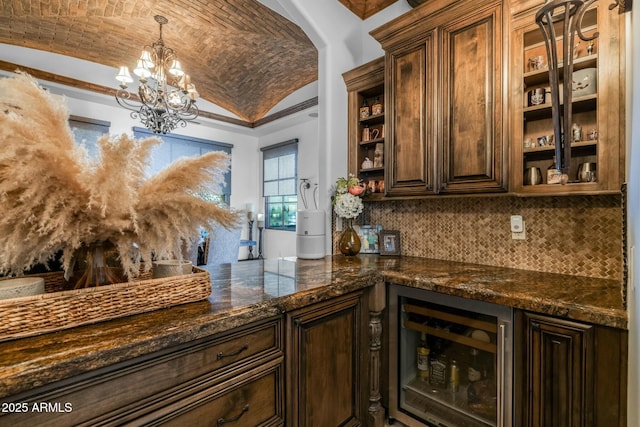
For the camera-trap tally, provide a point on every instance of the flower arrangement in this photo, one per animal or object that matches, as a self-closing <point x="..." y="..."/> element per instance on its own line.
<point x="347" y="198"/>
<point x="54" y="198"/>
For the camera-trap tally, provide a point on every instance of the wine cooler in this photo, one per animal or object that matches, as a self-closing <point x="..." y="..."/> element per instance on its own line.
<point x="450" y="361"/>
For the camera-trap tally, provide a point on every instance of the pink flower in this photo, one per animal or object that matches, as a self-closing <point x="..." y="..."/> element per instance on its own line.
<point x="356" y="190"/>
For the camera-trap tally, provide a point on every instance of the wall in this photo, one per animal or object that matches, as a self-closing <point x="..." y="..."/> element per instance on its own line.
<point x="278" y="243"/>
<point x="343" y="42"/>
<point x="580" y="235"/>
<point x="633" y="174"/>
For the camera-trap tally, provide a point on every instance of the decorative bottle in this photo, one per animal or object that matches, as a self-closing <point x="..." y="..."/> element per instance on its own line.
<point x="553" y="173"/>
<point x="366" y="133"/>
<point x="423" y="358"/>
<point x="376" y="108"/>
<point x="577" y="132"/>
<point x="439" y="368"/>
<point x="474" y="371"/>
<point x="364" y="110"/>
<point x="454" y="376"/>
<point x="474" y="374"/>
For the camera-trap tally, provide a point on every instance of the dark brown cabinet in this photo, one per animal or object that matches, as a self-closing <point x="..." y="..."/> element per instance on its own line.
<point x="472" y="149"/>
<point x="234" y="374"/>
<point x="410" y="72"/>
<point x="365" y="88"/>
<point x="325" y="366"/>
<point x="444" y="86"/>
<point x="308" y="367"/>
<point x="568" y="374"/>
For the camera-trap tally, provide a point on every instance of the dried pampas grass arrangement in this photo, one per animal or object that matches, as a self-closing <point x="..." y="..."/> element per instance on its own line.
<point x="53" y="197"/>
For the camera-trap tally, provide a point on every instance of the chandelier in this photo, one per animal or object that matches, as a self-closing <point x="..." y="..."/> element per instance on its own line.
<point x="166" y="97"/>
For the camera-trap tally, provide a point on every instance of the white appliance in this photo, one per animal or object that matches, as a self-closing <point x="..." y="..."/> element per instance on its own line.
<point x="310" y="234"/>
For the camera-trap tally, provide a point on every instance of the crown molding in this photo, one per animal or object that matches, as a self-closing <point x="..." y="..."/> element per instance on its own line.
<point x="103" y="90"/>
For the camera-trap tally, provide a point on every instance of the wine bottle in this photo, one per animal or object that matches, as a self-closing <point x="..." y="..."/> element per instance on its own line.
<point x="423" y="358"/>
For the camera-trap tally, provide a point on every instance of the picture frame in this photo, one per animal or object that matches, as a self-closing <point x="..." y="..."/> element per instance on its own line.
<point x="369" y="239"/>
<point x="389" y="242"/>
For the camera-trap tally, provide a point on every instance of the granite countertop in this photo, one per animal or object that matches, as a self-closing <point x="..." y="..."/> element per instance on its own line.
<point x="255" y="290"/>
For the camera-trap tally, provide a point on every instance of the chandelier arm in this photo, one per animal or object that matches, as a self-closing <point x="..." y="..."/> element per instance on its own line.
<point x="123" y="98"/>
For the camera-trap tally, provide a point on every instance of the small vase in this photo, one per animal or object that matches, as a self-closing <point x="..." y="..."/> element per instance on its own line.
<point x="96" y="264"/>
<point x="349" y="243"/>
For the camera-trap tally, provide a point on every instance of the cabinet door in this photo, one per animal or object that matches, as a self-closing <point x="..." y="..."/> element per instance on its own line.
<point x="412" y="131"/>
<point x="558" y="372"/>
<point x="472" y="149"/>
<point x="324" y="364"/>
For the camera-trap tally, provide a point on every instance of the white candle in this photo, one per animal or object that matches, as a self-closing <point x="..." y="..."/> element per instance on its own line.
<point x="249" y="209"/>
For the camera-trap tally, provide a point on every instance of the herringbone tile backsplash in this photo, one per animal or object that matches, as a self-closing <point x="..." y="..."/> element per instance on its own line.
<point x="578" y="235"/>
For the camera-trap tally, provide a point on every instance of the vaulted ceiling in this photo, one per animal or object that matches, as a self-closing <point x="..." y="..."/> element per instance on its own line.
<point x="242" y="55"/>
<point x="366" y="8"/>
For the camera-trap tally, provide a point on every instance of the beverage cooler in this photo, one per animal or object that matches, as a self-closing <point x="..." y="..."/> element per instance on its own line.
<point x="450" y="360"/>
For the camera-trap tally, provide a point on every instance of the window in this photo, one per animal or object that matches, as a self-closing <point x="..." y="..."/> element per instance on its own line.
<point x="176" y="146"/>
<point x="279" y="177"/>
<point x="86" y="132"/>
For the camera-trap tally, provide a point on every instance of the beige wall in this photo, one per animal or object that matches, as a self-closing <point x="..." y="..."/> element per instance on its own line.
<point x="578" y="235"/>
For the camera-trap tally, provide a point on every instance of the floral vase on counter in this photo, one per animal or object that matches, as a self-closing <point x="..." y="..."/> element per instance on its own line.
<point x="96" y="264"/>
<point x="347" y="204"/>
<point x="349" y="243"/>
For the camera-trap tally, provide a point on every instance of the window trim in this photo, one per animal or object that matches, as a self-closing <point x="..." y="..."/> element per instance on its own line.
<point x="274" y="151"/>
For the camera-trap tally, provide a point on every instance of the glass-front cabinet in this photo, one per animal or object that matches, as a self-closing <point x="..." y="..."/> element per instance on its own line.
<point x="452" y="361"/>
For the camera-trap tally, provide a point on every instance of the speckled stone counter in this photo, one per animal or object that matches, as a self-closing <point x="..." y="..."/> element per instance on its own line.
<point x="255" y="290"/>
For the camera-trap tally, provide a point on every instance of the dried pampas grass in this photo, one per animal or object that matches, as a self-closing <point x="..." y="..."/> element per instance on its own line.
<point x="53" y="197"/>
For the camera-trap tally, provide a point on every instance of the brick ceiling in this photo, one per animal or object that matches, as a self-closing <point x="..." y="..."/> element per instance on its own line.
<point x="366" y="8"/>
<point x="241" y="55"/>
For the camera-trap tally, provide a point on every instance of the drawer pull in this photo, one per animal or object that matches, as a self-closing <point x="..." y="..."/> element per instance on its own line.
<point x="234" y="419"/>
<point x="221" y="355"/>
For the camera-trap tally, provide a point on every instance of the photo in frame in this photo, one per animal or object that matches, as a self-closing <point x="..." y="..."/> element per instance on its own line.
<point x="369" y="239"/>
<point x="389" y="242"/>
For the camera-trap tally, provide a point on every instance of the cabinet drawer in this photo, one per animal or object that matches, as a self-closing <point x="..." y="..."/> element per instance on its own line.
<point x="152" y="381"/>
<point x="254" y="399"/>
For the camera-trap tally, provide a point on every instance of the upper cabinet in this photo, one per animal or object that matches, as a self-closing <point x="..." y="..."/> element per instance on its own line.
<point x="365" y="91"/>
<point x="597" y="140"/>
<point x="444" y="96"/>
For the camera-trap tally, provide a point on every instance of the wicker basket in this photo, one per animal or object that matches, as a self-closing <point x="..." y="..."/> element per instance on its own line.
<point x="58" y="309"/>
